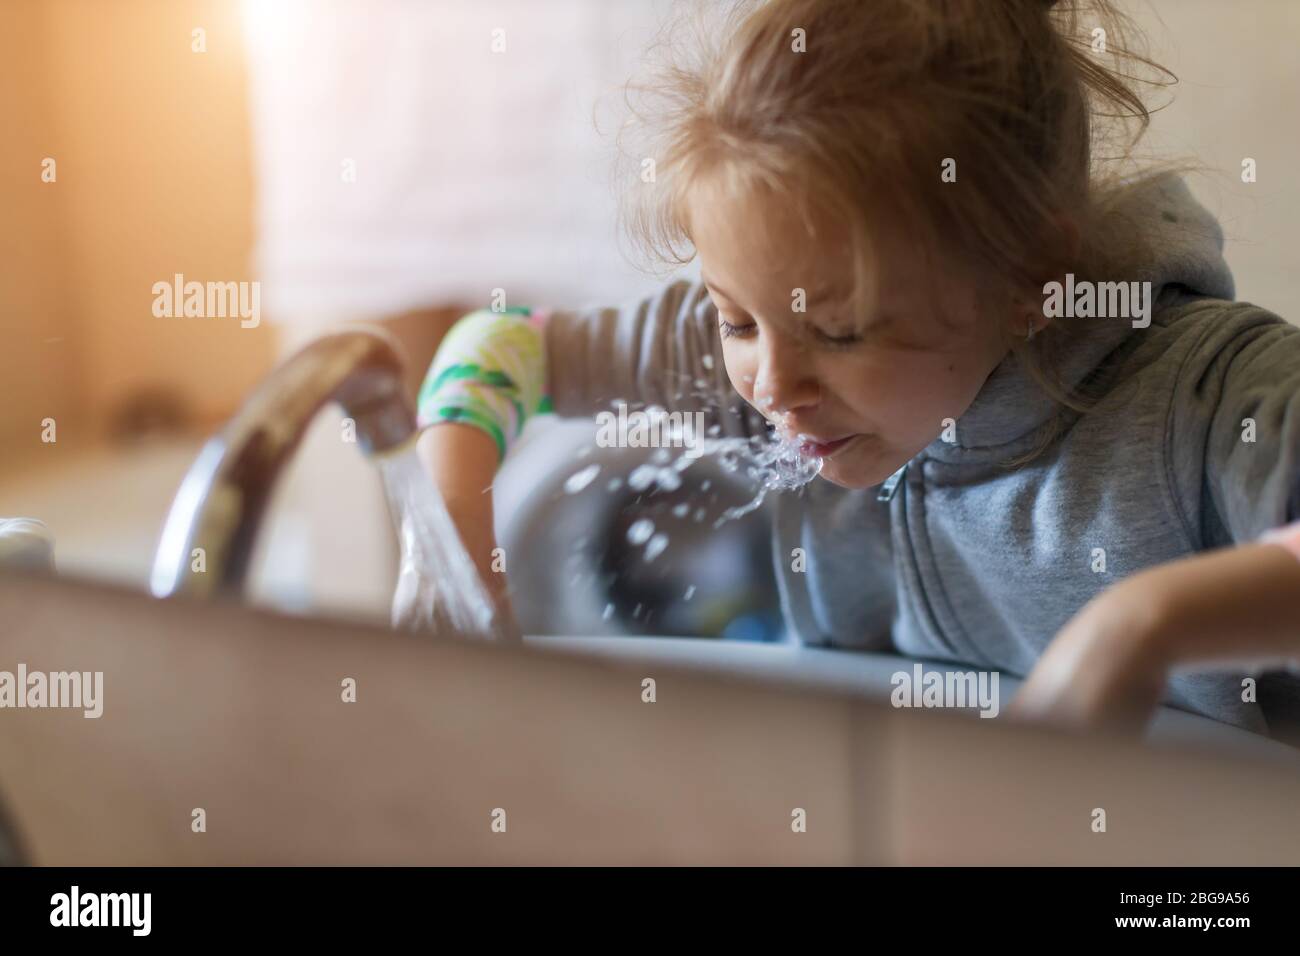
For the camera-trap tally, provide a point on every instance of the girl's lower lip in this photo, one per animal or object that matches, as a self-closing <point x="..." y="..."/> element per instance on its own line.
<point x="818" y="450"/>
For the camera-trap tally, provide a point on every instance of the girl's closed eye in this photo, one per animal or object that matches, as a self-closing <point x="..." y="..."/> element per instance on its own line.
<point x="730" y="331"/>
<point x="837" y="338"/>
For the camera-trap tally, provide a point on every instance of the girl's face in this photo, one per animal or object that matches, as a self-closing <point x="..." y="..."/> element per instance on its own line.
<point x="869" y="393"/>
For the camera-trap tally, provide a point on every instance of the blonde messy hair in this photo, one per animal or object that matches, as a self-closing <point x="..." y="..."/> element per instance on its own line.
<point x="1042" y="125"/>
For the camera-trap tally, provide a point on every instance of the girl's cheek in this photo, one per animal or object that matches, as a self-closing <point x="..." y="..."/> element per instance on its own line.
<point x="741" y="375"/>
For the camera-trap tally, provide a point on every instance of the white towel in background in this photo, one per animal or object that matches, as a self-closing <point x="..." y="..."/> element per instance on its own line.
<point x="473" y="169"/>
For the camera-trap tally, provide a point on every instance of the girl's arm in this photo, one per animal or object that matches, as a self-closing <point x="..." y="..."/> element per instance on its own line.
<point x="1232" y="607"/>
<point x="662" y="350"/>
<point x="495" y="370"/>
<point x="1233" y="467"/>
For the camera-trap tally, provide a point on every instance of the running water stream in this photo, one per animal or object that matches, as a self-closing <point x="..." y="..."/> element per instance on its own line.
<point x="438" y="586"/>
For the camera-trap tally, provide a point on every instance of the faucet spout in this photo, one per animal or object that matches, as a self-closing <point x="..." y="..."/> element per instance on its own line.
<point x="207" y="540"/>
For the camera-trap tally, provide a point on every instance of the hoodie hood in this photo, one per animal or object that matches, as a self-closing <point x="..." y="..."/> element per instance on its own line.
<point x="1012" y="414"/>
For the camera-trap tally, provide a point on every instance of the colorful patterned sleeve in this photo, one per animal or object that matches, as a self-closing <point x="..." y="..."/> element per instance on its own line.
<point x="1288" y="536"/>
<point x="490" y="372"/>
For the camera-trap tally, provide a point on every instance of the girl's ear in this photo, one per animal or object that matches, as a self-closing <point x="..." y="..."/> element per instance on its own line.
<point x="1026" y="319"/>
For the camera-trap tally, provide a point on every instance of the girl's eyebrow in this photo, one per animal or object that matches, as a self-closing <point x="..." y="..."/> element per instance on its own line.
<point x="833" y="294"/>
<point x="713" y="287"/>
<point x="828" y="294"/>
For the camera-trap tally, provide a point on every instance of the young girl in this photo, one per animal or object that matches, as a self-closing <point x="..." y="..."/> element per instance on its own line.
<point x="1033" y="395"/>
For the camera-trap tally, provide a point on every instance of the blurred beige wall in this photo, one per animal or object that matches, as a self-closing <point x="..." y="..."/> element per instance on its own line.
<point x="151" y="141"/>
<point x="1238" y="96"/>
<point x="41" y="367"/>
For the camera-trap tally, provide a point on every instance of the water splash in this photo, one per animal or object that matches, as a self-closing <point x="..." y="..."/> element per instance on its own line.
<point x="773" y="461"/>
<point x="438" y="586"/>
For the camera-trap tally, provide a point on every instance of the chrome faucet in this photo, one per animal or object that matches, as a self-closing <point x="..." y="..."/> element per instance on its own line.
<point x="223" y="496"/>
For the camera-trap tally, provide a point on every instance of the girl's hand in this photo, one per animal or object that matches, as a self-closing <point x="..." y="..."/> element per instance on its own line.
<point x="1103" y="671"/>
<point x="1236" y="607"/>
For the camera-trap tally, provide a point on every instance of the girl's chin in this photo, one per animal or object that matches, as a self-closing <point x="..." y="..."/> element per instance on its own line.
<point x="849" y="481"/>
<point x="851" y="473"/>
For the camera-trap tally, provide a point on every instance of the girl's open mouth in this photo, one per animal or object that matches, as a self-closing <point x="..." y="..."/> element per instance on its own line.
<point x="814" y="449"/>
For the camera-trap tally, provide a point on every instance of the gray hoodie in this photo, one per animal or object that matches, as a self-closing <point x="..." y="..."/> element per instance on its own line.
<point x="963" y="559"/>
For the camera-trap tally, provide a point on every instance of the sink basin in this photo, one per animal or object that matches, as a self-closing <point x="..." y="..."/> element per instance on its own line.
<point x="241" y="713"/>
<point x="868" y="675"/>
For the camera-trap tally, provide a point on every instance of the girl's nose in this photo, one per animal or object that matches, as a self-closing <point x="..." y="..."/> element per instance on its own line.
<point x="784" y="384"/>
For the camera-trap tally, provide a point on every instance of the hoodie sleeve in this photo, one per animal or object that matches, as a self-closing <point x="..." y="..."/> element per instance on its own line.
<point x="1237" y="406"/>
<point x="495" y="370"/>
<point x="489" y="372"/>
<point x="662" y="350"/>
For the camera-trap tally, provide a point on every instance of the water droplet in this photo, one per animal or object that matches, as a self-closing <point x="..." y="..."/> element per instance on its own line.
<point x="640" y="531"/>
<point x="667" y="479"/>
<point x="582" y="479"/>
<point x="681" y="511"/>
<point x="609" y="612"/>
<point x="656" y="546"/>
<point x="642" y="477"/>
<point x="690" y="593"/>
<point x="614" y="484"/>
